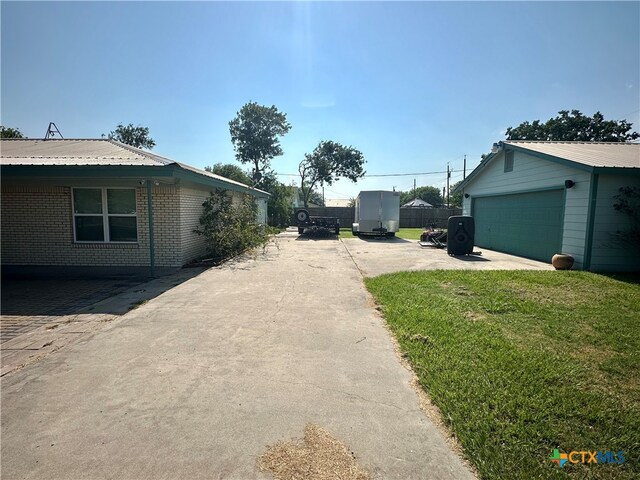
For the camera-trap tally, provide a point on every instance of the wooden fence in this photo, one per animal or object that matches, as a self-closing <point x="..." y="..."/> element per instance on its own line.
<point x="409" y="217"/>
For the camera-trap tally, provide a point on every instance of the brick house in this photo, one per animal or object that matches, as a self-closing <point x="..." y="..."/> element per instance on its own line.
<point x="82" y="206"/>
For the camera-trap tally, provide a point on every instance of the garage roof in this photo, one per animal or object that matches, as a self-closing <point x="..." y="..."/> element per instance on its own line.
<point x="593" y="154"/>
<point x="589" y="156"/>
<point x="99" y="152"/>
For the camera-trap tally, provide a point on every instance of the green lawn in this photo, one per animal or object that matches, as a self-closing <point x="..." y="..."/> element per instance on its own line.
<point x="406" y="233"/>
<point x="520" y="363"/>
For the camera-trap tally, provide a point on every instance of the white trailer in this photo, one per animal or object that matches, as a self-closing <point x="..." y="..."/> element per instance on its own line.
<point x="377" y="212"/>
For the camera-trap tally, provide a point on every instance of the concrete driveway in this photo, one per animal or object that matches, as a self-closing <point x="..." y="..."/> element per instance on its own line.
<point x="198" y="381"/>
<point x="376" y="256"/>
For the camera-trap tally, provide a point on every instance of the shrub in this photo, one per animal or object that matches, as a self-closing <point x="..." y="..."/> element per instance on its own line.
<point x="230" y="229"/>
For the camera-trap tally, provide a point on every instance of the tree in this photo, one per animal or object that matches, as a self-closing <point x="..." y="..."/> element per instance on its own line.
<point x="230" y="171"/>
<point x="131" y="135"/>
<point x="352" y="203"/>
<point x="455" y="199"/>
<point x="280" y="204"/>
<point x="8" y="132"/>
<point x="430" y="195"/>
<point x="329" y="162"/>
<point x="255" y="134"/>
<point x="574" y="126"/>
<point x="314" y="197"/>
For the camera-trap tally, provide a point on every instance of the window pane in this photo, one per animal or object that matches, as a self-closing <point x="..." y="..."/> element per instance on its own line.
<point x="508" y="161"/>
<point x="87" y="200"/>
<point x="121" y="201"/>
<point x="123" y="229"/>
<point x="89" y="229"/>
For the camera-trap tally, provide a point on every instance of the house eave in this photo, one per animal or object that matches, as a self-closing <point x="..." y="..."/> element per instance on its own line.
<point x="137" y="172"/>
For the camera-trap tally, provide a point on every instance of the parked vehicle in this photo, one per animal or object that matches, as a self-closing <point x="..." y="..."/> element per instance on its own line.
<point x="308" y="223"/>
<point x="377" y="212"/>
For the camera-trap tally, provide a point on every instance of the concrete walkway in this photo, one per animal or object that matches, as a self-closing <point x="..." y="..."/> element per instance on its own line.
<point x="377" y="256"/>
<point x="198" y="381"/>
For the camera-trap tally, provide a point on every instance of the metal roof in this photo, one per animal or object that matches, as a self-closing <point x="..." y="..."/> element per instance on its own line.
<point x="589" y="156"/>
<point x="418" y="203"/>
<point x="337" y="202"/>
<point x="74" y="152"/>
<point x="592" y="154"/>
<point x="91" y="153"/>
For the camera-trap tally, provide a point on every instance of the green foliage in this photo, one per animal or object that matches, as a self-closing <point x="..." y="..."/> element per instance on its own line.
<point x="522" y="362"/>
<point x="574" y="126"/>
<point x="8" y="132"/>
<point x="455" y="199"/>
<point x="136" y="136"/>
<point x="229" y="229"/>
<point x="352" y="203"/>
<point x="280" y="205"/>
<point x="431" y="195"/>
<point x="314" y="196"/>
<point x="230" y="171"/>
<point x="329" y="162"/>
<point x="628" y="203"/>
<point x="255" y="135"/>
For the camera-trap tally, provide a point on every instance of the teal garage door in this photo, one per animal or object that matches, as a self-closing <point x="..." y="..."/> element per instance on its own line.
<point x="524" y="224"/>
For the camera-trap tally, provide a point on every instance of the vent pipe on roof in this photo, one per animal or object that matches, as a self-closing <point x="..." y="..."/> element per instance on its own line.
<point x="52" y="131"/>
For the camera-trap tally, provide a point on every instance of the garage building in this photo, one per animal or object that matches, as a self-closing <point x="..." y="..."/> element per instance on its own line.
<point x="538" y="198"/>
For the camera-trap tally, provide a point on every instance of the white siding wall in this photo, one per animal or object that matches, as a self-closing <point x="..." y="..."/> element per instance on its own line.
<point x="608" y="252"/>
<point x="531" y="173"/>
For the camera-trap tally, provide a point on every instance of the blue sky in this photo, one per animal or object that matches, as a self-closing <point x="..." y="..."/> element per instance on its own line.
<point x="412" y="85"/>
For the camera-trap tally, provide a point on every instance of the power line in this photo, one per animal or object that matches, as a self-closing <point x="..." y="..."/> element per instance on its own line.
<point x="384" y="174"/>
<point x="337" y="193"/>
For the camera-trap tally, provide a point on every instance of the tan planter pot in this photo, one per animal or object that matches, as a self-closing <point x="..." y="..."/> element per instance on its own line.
<point x="562" y="261"/>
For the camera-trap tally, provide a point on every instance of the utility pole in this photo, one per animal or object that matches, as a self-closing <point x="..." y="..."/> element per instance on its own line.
<point x="464" y="168"/>
<point x="414" y="188"/>
<point x="448" y="177"/>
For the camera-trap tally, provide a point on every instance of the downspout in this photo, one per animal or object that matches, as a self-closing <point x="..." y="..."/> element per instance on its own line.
<point x="152" y="244"/>
<point x="588" y="241"/>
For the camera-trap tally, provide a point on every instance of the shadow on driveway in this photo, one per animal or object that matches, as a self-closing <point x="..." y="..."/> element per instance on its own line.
<point x="308" y="237"/>
<point x="373" y="238"/>
<point x="470" y="258"/>
<point x="35" y="296"/>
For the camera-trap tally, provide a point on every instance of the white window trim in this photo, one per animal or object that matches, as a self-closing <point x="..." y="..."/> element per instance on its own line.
<point x="105" y="215"/>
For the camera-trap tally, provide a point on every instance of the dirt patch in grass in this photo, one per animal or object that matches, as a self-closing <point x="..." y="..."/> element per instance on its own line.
<point x="474" y="316"/>
<point x="317" y="456"/>
<point x="572" y="296"/>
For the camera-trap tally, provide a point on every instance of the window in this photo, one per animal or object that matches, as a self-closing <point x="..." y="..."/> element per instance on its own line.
<point x="105" y="215"/>
<point x="508" y="161"/>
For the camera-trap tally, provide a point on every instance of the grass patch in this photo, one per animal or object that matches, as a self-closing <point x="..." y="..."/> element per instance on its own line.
<point x="520" y="363"/>
<point x="406" y="233"/>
